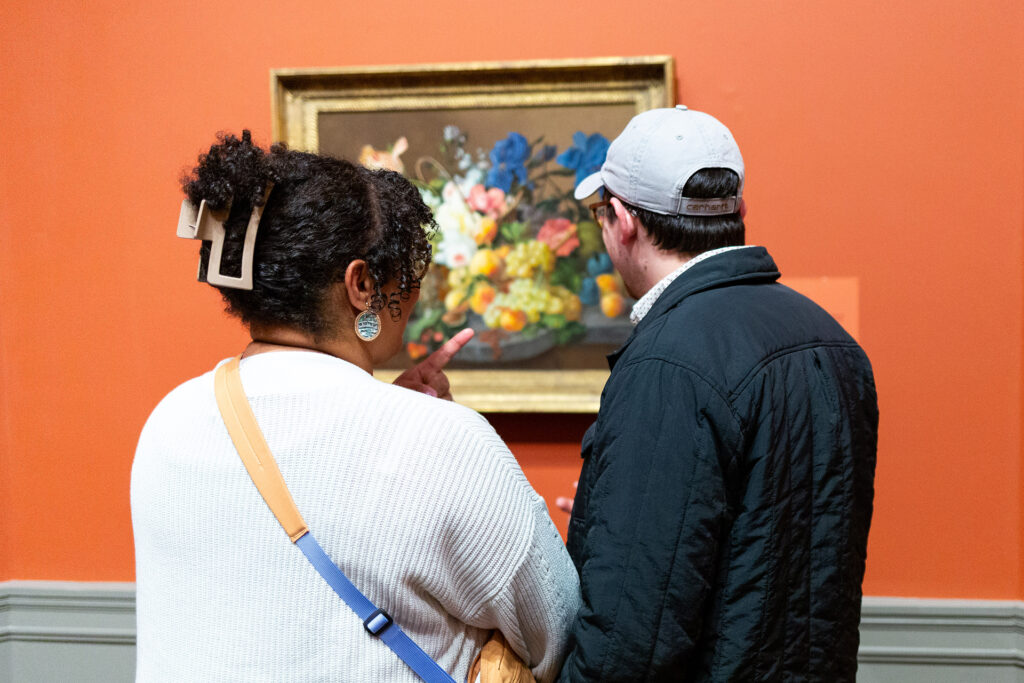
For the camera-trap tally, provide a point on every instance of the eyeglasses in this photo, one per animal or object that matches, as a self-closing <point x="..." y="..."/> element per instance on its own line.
<point x="599" y="210"/>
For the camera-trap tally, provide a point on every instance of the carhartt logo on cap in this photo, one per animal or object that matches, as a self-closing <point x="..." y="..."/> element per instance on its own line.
<point x="709" y="207"/>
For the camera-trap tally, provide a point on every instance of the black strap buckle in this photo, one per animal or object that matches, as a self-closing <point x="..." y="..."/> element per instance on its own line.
<point x="377" y="622"/>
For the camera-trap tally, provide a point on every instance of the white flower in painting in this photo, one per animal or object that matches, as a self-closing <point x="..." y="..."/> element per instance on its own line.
<point x="430" y="199"/>
<point x="457" y="224"/>
<point x="451" y="132"/>
<point x="455" y="250"/>
<point x="451" y="194"/>
<point x="455" y="216"/>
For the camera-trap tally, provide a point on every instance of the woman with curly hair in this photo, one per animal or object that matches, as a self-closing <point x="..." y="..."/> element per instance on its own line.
<point x="416" y="499"/>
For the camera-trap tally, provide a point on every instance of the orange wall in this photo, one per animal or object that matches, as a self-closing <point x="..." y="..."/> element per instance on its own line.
<point x="884" y="141"/>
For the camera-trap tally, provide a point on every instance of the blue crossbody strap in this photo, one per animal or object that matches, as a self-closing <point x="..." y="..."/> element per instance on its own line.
<point x="376" y="621"/>
<point x="262" y="468"/>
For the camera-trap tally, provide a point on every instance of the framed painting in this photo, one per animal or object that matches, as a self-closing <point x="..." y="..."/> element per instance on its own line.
<point x="495" y="150"/>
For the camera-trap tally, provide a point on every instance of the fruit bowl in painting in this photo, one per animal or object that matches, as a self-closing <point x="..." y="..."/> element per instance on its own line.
<point x="499" y="346"/>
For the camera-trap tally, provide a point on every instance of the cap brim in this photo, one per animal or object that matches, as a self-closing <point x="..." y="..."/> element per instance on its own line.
<point x="588" y="186"/>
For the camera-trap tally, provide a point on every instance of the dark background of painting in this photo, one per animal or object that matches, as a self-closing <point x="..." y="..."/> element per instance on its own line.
<point x="344" y="133"/>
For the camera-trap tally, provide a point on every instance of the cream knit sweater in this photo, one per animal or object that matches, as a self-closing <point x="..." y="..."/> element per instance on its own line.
<point x="416" y="499"/>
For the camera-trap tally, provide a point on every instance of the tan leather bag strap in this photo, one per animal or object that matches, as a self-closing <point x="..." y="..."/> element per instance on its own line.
<point x="499" y="663"/>
<point x="252" y="448"/>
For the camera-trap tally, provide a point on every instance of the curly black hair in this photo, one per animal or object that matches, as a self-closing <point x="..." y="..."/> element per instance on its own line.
<point x="322" y="214"/>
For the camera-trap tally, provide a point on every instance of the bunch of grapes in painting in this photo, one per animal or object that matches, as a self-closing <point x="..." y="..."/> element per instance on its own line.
<point x="515" y="255"/>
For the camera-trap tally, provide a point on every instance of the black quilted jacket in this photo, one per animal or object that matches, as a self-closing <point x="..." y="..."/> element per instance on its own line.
<point x="723" y="509"/>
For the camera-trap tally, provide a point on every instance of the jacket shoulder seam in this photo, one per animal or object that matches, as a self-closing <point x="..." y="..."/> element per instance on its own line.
<point x="718" y="391"/>
<point x="781" y="353"/>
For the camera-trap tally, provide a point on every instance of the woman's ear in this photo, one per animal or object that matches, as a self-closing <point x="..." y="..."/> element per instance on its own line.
<point x="359" y="284"/>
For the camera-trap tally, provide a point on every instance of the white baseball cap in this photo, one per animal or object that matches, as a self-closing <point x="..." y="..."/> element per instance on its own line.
<point x="650" y="162"/>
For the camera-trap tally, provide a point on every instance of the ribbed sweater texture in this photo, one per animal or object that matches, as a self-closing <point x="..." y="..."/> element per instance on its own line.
<point x="416" y="499"/>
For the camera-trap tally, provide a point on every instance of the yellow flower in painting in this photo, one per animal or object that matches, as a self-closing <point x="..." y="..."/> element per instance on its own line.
<point x="486" y="230"/>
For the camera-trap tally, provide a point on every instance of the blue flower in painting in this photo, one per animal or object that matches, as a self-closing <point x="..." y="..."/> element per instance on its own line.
<point x="508" y="162"/>
<point x="598" y="264"/>
<point x="586" y="154"/>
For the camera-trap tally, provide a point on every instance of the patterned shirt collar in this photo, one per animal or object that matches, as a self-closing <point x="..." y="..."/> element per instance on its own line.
<point x="643" y="306"/>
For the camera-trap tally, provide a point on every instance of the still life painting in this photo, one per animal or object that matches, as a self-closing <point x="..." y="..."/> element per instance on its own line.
<point x="516" y="257"/>
<point x="495" y="150"/>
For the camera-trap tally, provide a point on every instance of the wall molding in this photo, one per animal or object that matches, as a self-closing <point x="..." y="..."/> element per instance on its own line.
<point x="65" y="611"/>
<point x="932" y="632"/>
<point x="52" y="626"/>
<point x="67" y="631"/>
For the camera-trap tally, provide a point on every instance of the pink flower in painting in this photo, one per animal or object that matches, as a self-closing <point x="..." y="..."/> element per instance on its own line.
<point x="489" y="202"/>
<point x="560" y="235"/>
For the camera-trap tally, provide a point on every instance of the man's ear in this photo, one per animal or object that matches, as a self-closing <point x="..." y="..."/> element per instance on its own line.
<point x="626" y="222"/>
<point x="359" y="284"/>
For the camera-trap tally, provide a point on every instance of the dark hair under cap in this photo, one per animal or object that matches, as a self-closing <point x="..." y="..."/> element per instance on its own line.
<point x="697" y="234"/>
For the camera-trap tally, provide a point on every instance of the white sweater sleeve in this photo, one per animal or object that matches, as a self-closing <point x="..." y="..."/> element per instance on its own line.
<point x="536" y="609"/>
<point x="515" y="566"/>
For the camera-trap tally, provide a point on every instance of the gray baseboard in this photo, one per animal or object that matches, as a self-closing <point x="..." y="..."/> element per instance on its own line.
<point x="63" y="631"/>
<point x="909" y="639"/>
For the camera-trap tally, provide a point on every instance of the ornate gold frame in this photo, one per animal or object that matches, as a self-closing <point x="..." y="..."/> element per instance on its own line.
<point x="298" y="96"/>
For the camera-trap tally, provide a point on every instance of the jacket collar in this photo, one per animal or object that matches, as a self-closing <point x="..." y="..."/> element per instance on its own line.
<point x="739" y="266"/>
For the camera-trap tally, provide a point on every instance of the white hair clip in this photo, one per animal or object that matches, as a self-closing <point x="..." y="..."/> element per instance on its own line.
<point x="203" y="223"/>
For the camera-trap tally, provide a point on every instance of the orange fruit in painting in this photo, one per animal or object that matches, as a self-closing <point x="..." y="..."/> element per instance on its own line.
<point x="416" y="351"/>
<point x="485" y="262"/>
<point x="607" y="283"/>
<point x="482" y="297"/>
<point x="612" y="304"/>
<point x="512" y="321"/>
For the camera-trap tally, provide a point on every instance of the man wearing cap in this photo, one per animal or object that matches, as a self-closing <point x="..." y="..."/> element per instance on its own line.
<point x="721" y="522"/>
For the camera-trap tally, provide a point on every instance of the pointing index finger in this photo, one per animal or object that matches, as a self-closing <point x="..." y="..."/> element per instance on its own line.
<point x="440" y="358"/>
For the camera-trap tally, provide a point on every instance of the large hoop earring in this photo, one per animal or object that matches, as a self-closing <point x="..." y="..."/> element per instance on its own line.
<point x="368" y="324"/>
